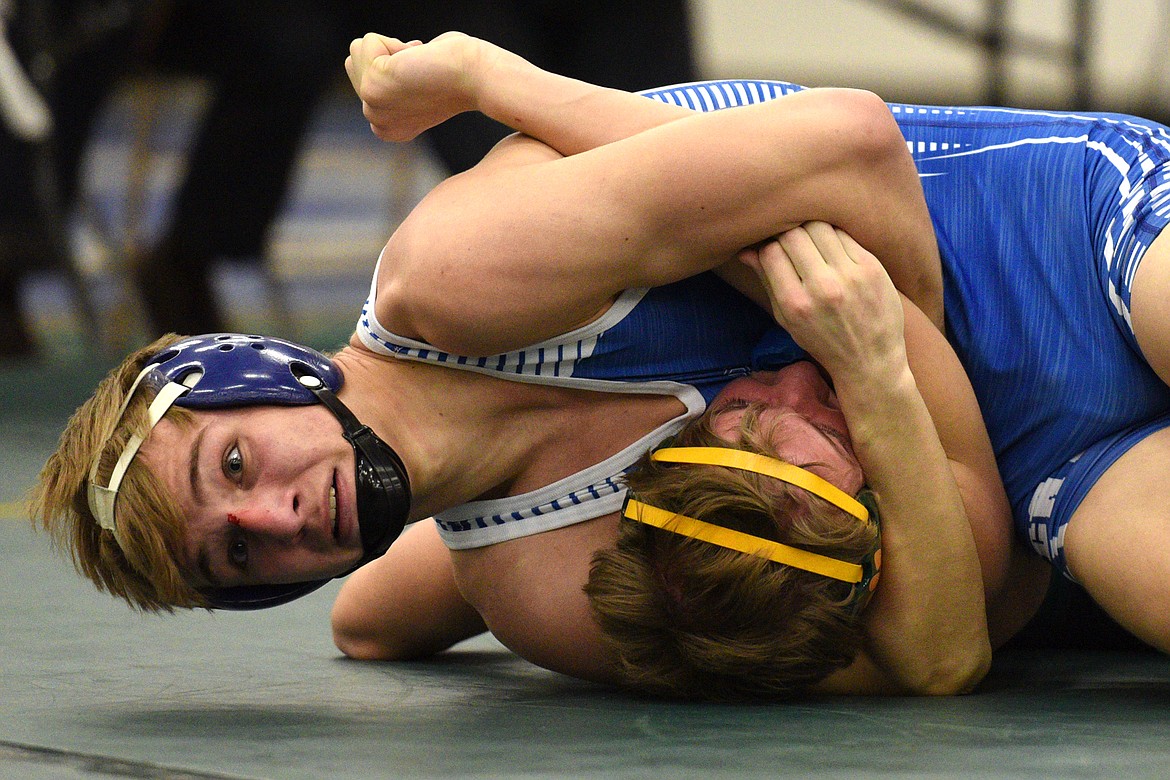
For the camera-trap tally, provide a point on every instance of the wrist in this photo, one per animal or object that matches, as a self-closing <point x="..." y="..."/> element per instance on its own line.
<point x="882" y="406"/>
<point x="877" y="381"/>
<point x="492" y="75"/>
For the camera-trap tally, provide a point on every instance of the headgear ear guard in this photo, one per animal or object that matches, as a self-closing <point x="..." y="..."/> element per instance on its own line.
<point x="229" y="370"/>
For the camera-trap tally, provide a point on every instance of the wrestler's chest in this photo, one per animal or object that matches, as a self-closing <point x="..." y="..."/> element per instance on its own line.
<point x="569" y="431"/>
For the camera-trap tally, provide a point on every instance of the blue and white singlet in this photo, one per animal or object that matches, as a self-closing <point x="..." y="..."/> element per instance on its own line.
<point x="1042" y="219"/>
<point x="686" y="339"/>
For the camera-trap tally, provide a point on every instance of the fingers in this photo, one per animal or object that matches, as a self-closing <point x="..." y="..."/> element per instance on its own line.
<point x="351" y="67"/>
<point x="778" y="269"/>
<point x="786" y="291"/>
<point x="815" y="245"/>
<point x="365" y="51"/>
<point x="361" y="54"/>
<point x="861" y="256"/>
<point x="802" y="252"/>
<point x="373" y="45"/>
<point x="820" y="251"/>
<point x="793" y="262"/>
<point x="813" y="267"/>
<point x="750" y="257"/>
<point x="368" y="64"/>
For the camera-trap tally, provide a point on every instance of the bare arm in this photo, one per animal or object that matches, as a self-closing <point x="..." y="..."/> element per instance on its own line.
<point x="419" y="88"/>
<point x="530" y="592"/>
<point x="405" y="604"/>
<point x="926" y="625"/>
<point x="680" y="195"/>
<point x="1015" y="579"/>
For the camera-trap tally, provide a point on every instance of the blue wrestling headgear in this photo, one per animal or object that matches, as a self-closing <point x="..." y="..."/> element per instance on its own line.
<point x="229" y="369"/>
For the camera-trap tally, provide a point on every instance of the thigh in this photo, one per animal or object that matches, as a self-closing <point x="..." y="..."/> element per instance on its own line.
<point x="1117" y="543"/>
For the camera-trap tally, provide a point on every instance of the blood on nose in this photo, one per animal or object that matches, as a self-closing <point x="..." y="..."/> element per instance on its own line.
<point x="233" y="519"/>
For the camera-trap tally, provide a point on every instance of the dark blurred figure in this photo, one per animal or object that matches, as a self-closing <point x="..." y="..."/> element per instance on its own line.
<point x="613" y="43"/>
<point x="268" y="63"/>
<point x="39" y="36"/>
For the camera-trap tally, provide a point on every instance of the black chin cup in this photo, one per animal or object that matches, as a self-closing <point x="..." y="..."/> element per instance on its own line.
<point x="383" y="490"/>
<point x="383" y="504"/>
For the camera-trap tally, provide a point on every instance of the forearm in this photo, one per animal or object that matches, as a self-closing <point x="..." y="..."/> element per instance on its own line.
<point x="569" y="115"/>
<point x="927" y="624"/>
<point x="925" y="627"/>
<point x="688" y="199"/>
<point x="647" y="201"/>
<point x="648" y="210"/>
<point x="878" y="197"/>
<point x="869" y="182"/>
<point x="404" y="605"/>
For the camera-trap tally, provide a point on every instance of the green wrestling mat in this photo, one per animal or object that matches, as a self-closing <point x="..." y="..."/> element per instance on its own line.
<point x="90" y="689"/>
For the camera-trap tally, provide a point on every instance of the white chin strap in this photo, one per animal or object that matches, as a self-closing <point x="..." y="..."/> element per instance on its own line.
<point x="101" y="499"/>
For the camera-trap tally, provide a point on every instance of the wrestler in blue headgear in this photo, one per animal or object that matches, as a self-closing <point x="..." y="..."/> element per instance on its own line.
<point x="230" y="369"/>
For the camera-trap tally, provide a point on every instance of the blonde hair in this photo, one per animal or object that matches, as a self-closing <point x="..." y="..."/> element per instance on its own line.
<point x="688" y="619"/>
<point x="141" y="564"/>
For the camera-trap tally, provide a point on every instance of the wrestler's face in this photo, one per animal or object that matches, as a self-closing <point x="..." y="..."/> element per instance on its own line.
<point x="801" y="418"/>
<point x="268" y="493"/>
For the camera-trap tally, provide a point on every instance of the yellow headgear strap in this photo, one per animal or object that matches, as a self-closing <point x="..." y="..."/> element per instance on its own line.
<point x="741" y="542"/>
<point x="769" y="467"/>
<point x="746" y="543"/>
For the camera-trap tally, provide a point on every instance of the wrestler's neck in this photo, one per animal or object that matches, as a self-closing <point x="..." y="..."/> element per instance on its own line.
<point x="461" y="435"/>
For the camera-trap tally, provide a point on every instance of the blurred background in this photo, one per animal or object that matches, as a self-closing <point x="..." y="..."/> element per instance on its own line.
<point x="949" y="51"/>
<point x="126" y="164"/>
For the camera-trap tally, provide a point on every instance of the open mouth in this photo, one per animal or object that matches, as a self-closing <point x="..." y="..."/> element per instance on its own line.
<point x="333" y="509"/>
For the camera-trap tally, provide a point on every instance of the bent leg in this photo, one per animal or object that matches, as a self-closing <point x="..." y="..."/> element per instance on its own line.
<point x="1118" y="541"/>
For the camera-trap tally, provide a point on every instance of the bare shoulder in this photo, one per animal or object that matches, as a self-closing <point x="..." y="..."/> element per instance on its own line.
<point x="492" y="260"/>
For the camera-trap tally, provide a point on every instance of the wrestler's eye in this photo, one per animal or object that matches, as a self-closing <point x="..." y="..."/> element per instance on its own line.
<point x="237" y="553"/>
<point x="233" y="463"/>
<point x="835" y="436"/>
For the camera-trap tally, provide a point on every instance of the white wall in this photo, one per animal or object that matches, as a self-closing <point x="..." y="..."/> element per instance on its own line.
<point x="862" y="43"/>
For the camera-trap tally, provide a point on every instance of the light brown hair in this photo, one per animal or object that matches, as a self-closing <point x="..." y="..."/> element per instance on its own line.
<point x="688" y="619"/>
<point x="141" y="564"/>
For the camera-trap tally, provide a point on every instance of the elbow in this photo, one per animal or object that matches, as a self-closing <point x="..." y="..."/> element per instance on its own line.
<point x="363" y="648"/>
<point x="954" y="676"/>
<point x="887" y="210"/>
<point x="869" y="148"/>
<point x="360" y="645"/>
<point x="354" y="636"/>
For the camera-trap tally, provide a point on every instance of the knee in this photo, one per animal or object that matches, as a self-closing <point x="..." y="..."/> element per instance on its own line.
<point x="866" y="126"/>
